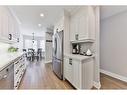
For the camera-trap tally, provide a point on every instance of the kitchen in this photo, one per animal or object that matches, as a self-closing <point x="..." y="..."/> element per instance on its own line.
<point x="12" y="37"/>
<point x="41" y="49"/>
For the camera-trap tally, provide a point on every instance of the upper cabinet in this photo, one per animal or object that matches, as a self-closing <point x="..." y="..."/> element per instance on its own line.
<point x="4" y="23"/>
<point x="82" y="25"/>
<point x="9" y="31"/>
<point x="59" y="25"/>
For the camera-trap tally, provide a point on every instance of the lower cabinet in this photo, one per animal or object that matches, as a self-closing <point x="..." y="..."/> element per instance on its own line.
<point x="68" y="69"/>
<point x="19" y="69"/>
<point x="79" y="73"/>
<point x="7" y="77"/>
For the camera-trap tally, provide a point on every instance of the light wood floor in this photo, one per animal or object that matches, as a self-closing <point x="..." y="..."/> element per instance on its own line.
<point x="108" y="82"/>
<point x="40" y="76"/>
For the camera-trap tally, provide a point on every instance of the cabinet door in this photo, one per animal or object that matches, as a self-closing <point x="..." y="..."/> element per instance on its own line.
<point x="87" y="74"/>
<point x="68" y="70"/>
<point x="76" y="77"/>
<point x="73" y="28"/>
<point x="11" y="26"/>
<point x="5" y="23"/>
<point x="83" y="27"/>
<point x="15" y="33"/>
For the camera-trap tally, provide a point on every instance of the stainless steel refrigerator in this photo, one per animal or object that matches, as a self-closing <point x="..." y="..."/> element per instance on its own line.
<point x="58" y="54"/>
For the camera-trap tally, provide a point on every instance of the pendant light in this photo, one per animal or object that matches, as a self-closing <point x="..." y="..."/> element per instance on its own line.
<point x="33" y="38"/>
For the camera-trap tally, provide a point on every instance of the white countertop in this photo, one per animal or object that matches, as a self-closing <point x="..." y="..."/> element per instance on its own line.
<point x="78" y="57"/>
<point x="7" y="58"/>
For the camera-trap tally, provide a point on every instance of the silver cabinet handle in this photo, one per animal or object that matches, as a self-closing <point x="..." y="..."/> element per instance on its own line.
<point x="17" y="72"/>
<point x="70" y="61"/>
<point x="16" y="63"/>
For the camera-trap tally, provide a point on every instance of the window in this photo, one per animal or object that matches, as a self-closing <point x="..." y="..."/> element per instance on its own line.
<point x="42" y="45"/>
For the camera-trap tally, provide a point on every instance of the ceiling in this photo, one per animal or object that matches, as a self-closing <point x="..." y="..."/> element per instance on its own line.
<point x="108" y="11"/>
<point x="29" y="16"/>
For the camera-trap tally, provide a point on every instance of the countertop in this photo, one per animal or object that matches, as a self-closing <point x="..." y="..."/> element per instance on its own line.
<point x="78" y="57"/>
<point x="8" y="58"/>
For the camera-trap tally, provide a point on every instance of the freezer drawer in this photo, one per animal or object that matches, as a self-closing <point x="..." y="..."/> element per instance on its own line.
<point x="58" y="67"/>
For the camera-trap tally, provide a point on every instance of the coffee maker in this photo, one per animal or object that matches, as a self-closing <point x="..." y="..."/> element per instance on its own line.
<point x="75" y="48"/>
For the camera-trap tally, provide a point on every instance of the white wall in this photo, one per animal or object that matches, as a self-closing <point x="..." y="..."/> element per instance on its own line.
<point x="114" y="44"/>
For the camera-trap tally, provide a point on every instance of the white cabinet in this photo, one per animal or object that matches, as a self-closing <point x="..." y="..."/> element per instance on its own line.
<point x="82" y="24"/>
<point x="79" y="73"/>
<point x="13" y="28"/>
<point x="4" y="23"/>
<point x="73" y="29"/>
<point x="75" y="74"/>
<point x="19" y="69"/>
<point x="8" y="26"/>
<point x="71" y="71"/>
<point x="87" y="73"/>
<point x="68" y="70"/>
<point x="6" y="77"/>
<point x="83" y="27"/>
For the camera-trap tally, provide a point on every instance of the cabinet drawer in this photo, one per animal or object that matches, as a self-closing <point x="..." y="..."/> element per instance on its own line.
<point x="5" y="72"/>
<point x="16" y="64"/>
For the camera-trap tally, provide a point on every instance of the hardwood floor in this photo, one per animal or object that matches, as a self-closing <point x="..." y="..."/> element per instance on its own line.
<point x="40" y="76"/>
<point x="108" y="82"/>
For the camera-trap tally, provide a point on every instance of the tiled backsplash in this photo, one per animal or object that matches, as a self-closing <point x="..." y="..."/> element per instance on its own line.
<point x="86" y="46"/>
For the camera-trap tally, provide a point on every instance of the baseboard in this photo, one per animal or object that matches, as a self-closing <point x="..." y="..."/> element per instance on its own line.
<point x="48" y="61"/>
<point x="97" y="84"/>
<point x="117" y="76"/>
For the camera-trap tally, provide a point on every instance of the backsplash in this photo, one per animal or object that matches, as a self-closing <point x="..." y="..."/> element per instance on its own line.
<point x="86" y="46"/>
<point x="4" y="48"/>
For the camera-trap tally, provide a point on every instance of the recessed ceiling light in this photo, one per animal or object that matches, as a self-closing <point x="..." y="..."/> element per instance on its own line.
<point x="41" y="15"/>
<point x="39" y="25"/>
